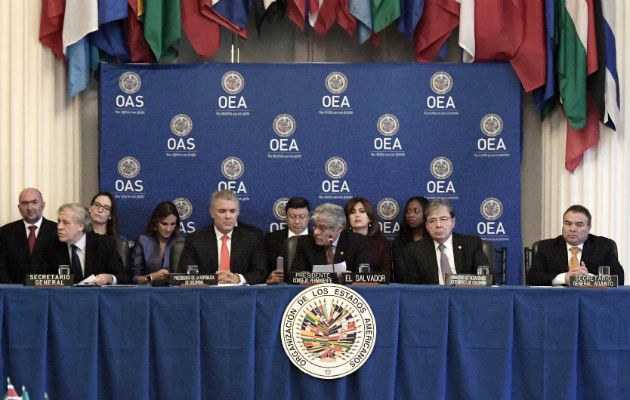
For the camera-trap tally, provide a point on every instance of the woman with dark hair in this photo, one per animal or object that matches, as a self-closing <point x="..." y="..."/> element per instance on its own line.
<point x="411" y="230"/>
<point x="361" y="218"/>
<point x="150" y="256"/>
<point x="105" y="215"/>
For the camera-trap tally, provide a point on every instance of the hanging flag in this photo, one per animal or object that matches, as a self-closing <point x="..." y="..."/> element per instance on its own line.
<point x="580" y="140"/>
<point x="596" y="81"/>
<point x="467" y="29"/>
<point x="78" y="66"/>
<point x="326" y="16"/>
<point x="207" y="9"/>
<point x="410" y="14"/>
<point x="11" y="393"/>
<point x="297" y="12"/>
<point x="345" y="19"/>
<point x="362" y="12"/>
<point x="81" y="18"/>
<point x="384" y="12"/>
<point x="51" y="25"/>
<point x="439" y="18"/>
<point x="545" y="98"/>
<point x="530" y="59"/>
<point x="111" y="34"/>
<point x="313" y="11"/>
<point x="612" y="116"/>
<point x="163" y="27"/>
<point x="203" y="33"/>
<point x="235" y="11"/>
<point x="25" y="395"/>
<point x="274" y="12"/>
<point x="139" y="49"/>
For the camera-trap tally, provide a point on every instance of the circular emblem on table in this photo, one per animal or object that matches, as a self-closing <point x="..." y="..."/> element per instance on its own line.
<point x="184" y="207"/>
<point x="129" y="82"/>
<point x="491" y="125"/>
<point x="336" y="82"/>
<point x="387" y="124"/>
<point x="491" y="208"/>
<point x="336" y="167"/>
<point x="284" y="125"/>
<point x="232" y="168"/>
<point x="232" y="82"/>
<point x="181" y="125"/>
<point x="279" y="208"/>
<point x="441" y="168"/>
<point x="328" y="331"/>
<point x="128" y="167"/>
<point x="441" y="82"/>
<point x="387" y="209"/>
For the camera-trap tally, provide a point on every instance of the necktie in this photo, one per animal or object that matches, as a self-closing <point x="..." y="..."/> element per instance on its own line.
<point x="31" y="238"/>
<point x="330" y="254"/>
<point x="224" y="262"/>
<point x="444" y="264"/>
<point x="76" y="265"/>
<point x="573" y="262"/>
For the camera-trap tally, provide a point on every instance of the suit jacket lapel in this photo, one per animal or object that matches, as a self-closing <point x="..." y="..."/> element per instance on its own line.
<point x="22" y="239"/>
<point x="563" y="254"/>
<point x="213" y="256"/>
<point x="340" y="250"/>
<point x="433" y="264"/>
<point x="236" y="253"/>
<point x="90" y="255"/>
<point x="458" y="254"/>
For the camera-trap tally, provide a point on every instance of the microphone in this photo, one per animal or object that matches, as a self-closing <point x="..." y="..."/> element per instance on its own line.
<point x="330" y="242"/>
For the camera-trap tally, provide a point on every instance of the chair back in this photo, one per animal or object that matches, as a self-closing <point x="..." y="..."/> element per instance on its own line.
<point x="123" y="252"/>
<point x="291" y="248"/>
<point x="528" y="256"/>
<point x="176" y="253"/>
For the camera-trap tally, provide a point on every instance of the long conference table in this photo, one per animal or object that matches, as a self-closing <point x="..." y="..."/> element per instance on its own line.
<point x="224" y="343"/>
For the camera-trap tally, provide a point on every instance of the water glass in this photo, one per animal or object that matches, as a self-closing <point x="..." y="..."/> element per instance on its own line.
<point x="64" y="270"/>
<point x="603" y="270"/>
<point x="483" y="270"/>
<point x="192" y="269"/>
<point x="364" y="268"/>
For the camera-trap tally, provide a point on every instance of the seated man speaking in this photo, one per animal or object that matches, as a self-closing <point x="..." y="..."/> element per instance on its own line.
<point x="575" y="252"/>
<point x="330" y="243"/>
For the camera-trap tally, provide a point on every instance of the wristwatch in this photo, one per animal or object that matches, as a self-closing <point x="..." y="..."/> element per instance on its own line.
<point x="148" y="278"/>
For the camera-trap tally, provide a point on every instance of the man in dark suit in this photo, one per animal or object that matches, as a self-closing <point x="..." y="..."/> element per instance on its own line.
<point x="575" y="252"/>
<point x="297" y="212"/>
<point x="235" y="253"/>
<point x="330" y="243"/>
<point x="86" y="252"/>
<point x="442" y="252"/>
<point x="22" y="242"/>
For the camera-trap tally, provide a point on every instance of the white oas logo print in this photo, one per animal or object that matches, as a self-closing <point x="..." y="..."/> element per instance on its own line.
<point x="129" y="82"/>
<point x="184" y="207"/>
<point x="491" y="208"/>
<point x="441" y="168"/>
<point x="232" y="168"/>
<point x="279" y="208"/>
<point x="491" y="125"/>
<point x="232" y="82"/>
<point x="336" y="167"/>
<point x="387" y="209"/>
<point x="336" y="82"/>
<point x="128" y="167"/>
<point x="441" y="82"/>
<point x="387" y="124"/>
<point x="181" y="125"/>
<point x="328" y="331"/>
<point x="284" y="125"/>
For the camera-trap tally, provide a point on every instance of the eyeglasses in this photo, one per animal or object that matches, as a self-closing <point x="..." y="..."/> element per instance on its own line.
<point x="101" y="206"/>
<point x="322" y="227"/>
<point x="433" y="221"/>
<point x="413" y="211"/>
<point x="293" y="217"/>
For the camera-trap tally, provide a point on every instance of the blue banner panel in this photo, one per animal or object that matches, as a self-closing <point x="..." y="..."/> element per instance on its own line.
<point x="327" y="132"/>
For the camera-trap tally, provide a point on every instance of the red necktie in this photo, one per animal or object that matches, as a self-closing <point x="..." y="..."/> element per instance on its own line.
<point x="224" y="263"/>
<point x="31" y="238"/>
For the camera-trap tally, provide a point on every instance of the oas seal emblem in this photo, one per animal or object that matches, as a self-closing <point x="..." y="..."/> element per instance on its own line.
<point x="387" y="124"/>
<point x="284" y="125"/>
<point x="232" y="168"/>
<point x="441" y="82"/>
<point x="129" y="82"/>
<point x="491" y="125"/>
<point x="387" y="209"/>
<point x="328" y="331"/>
<point x="336" y="167"/>
<point x="184" y="207"/>
<point x="336" y="82"/>
<point x="181" y="125"/>
<point x="279" y="208"/>
<point x="232" y="82"/>
<point x="441" y="168"/>
<point x="128" y="167"/>
<point x="491" y="208"/>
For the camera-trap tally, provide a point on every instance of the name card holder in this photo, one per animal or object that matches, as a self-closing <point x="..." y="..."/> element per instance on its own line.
<point x="359" y="279"/>
<point x="468" y="280"/>
<point x="594" y="281"/>
<point x="310" y="278"/>
<point x="49" y="280"/>
<point x="193" y="280"/>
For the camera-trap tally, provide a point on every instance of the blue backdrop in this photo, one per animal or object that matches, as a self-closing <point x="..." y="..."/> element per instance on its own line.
<point x="327" y="132"/>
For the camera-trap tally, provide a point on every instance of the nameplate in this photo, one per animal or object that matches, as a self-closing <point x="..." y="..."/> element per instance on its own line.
<point x="594" y="281"/>
<point x="357" y="279"/>
<point x="468" y="280"/>
<point x="310" y="278"/>
<point x="49" y="280"/>
<point x="193" y="280"/>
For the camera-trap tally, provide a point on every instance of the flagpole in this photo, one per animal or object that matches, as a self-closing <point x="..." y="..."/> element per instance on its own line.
<point x="235" y="50"/>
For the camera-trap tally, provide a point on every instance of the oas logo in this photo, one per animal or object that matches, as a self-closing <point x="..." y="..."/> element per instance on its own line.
<point x="129" y="82"/>
<point x="232" y="168"/>
<point x="387" y="209"/>
<point x="441" y="82"/>
<point x="336" y="82"/>
<point x="128" y="167"/>
<point x="491" y="208"/>
<point x="491" y="125"/>
<point x="232" y="82"/>
<point x="336" y="167"/>
<point x="387" y="124"/>
<point x="328" y="331"/>
<point x="284" y="125"/>
<point x="184" y="207"/>
<point x="441" y="168"/>
<point x="181" y="125"/>
<point x="279" y="208"/>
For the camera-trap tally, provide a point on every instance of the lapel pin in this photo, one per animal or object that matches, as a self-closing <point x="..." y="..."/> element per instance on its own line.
<point x="459" y="247"/>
